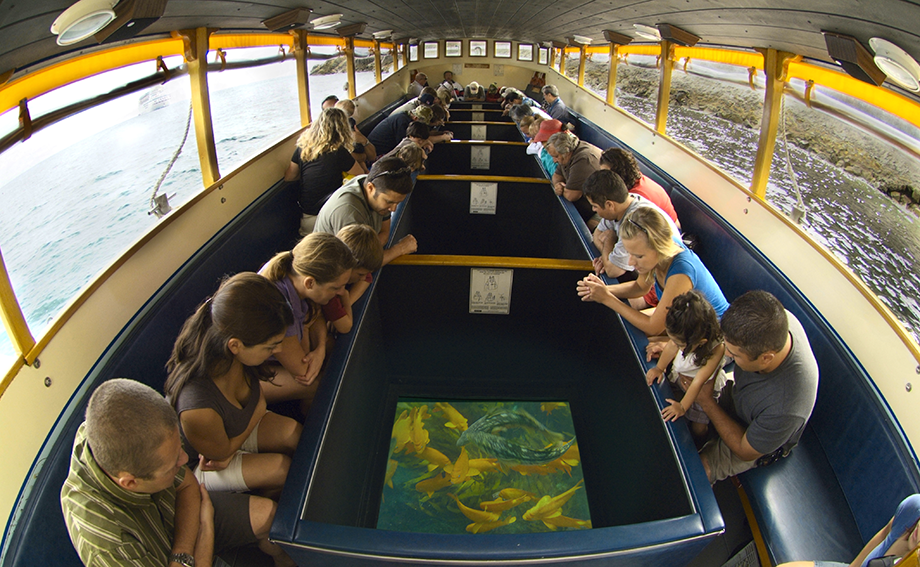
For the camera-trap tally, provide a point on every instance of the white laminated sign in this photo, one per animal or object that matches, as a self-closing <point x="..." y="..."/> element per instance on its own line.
<point x="483" y="197"/>
<point x="480" y="157"/>
<point x="490" y="291"/>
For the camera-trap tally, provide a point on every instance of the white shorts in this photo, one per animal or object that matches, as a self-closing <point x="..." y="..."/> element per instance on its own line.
<point x="231" y="478"/>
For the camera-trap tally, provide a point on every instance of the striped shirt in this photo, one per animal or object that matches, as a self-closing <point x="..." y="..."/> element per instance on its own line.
<point x="111" y="526"/>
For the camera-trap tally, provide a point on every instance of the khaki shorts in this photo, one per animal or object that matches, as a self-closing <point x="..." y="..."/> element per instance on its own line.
<point x="307" y="224"/>
<point x="231" y="478"/>
<point x="722" y="462"/>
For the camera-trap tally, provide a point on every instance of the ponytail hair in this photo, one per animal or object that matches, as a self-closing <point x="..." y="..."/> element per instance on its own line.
<point x="319" y="255"/>
<point x="247" y="307"/>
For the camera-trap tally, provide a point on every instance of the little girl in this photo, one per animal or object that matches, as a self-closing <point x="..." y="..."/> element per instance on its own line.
<point x="697" y="349"/>
<point x="309" y="276"/>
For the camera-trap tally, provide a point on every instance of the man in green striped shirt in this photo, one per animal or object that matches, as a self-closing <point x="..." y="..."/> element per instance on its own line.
<point x="129" y="498"/>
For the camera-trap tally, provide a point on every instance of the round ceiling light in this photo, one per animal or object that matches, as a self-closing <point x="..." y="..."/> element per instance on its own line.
<point x="647" y="32"/>
<point x="900" y="67"/>
<point x="326" y="22"/>
<point x="82" y="20"/>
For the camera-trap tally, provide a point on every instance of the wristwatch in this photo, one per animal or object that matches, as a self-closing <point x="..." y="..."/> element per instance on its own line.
<point x="183" y="559"/>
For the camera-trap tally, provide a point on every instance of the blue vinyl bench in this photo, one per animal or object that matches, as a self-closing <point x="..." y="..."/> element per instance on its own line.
<point x="38" y="535"/>
<point x="852" y="467"/>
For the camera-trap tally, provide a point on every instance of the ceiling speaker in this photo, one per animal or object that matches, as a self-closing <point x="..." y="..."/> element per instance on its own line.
<point x="131" y="18"/>
<point x="296" y="18"/>
<point x="853" y="57"/>
<point x="676" y="35"/>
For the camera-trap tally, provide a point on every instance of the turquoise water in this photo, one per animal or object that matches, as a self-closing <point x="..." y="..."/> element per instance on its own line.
<point x="441" y="478"/>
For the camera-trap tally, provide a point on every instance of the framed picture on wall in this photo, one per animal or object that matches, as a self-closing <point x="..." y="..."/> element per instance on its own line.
<point x="525" y="52"/>
<point x="503" y="49"/>
<point x="413" y="52"/>
<point x="453" y="48"/>
<point x="543" y="57"/>
<point x="431" y="49"/>
<point x="478" y="48"/>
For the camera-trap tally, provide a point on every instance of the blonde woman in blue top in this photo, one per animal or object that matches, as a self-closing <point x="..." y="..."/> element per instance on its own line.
<point x="659" y="260"/>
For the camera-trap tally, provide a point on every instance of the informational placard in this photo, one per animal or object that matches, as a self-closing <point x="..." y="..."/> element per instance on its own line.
<point x="478" y="132"/>
<point x="490" y="291"/>
<point x="480" y="157"/>
<point x="483" y="197"/>
<point x="479" y="117"/>
<point x="499" y="70"/>
<point x="477" y="107"/>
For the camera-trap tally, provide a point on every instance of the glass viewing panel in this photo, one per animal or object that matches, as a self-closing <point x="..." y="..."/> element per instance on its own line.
<point x="252" y="108"/>
<point x="637" y="87"/>
<point x="7" y="352"/>
<point x="76" y="194"/>
<point x="596" y="68"/>
<point x="482" y="466"/>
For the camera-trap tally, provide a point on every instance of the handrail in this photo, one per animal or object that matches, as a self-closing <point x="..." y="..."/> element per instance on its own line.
<point x="499" y="178"/>
<point x="488" y="142"/>
<point x="493" y="262"/>
<point x="508" y="123"/>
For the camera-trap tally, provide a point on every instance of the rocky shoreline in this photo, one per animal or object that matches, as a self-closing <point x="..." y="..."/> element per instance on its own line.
<point x="890" y="169"/>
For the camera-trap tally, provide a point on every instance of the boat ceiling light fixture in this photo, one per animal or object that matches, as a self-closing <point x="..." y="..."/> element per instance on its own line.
<point x="582" y="40"/>
<point x="326" y="22"/>
<point x="382" y="34"/>
<point x="82" y="20"/>
<point x="649" y="33"/>
<point x="900" y="67"/>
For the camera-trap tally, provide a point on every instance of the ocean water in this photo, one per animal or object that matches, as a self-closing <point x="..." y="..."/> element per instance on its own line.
<point x="442" y="479"/>
<point x="76" y="195"/>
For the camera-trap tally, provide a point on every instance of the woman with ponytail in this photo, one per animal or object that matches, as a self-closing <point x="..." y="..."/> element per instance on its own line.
<point x="215" y="371"/>
<point x="309" y="276"/>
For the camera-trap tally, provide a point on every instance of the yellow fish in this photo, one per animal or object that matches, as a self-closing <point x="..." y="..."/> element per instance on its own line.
<point x="401" y="431"/>
<point x="391" y="470"/>
<point x="433" y="484"/>
<point x="500" y="505"/>
<point x="548" y="407"/>
<point x="548" y="468"/>
<point x="571" y="457"/>
<point x="561" y="521"/>
<point x="483" y="465"/>
<point x="461" y="468"/>
<point x="512" y="493"/>
<point x="477" y="516"/>
<point x="481" y="527"/>
<point x="550" y="505"/>
<point x="434" y="457"/>
<point x="454" y="419"/>
<point x="418" y="436"/>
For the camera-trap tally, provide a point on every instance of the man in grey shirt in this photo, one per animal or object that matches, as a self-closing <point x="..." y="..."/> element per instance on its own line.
<point x="775" y="387"/>
<point x="370" y="199"/>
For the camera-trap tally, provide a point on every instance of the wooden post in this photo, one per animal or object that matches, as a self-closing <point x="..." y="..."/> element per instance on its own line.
<point x="378" y="71"/>
<point x="350" y="65"/>
<point x="774" y="66"/>
<point x="14" y="321"/>
<point x="301" y="50"/>
<point x="664" y="87"/>
<point x="582" y="62"/>
<point x="196" y="56"/>
<point x="612" y="75"/>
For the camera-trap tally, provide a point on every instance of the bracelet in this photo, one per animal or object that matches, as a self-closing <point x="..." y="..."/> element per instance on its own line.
<point x="183" y="559"/>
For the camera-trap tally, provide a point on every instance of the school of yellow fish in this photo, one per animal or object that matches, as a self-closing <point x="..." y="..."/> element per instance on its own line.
<point x="412" y="439"/>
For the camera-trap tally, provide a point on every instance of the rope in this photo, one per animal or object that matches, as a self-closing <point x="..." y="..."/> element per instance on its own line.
<point x="175" y="157"/>
<point x="789" y="171"/>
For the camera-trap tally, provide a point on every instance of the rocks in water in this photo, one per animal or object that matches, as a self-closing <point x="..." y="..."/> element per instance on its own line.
<point x="338" y="64"/>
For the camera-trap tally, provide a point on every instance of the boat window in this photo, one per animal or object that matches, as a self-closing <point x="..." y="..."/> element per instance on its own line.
<point x="596" y="73"/>
<point x="386" y="62"/>
<point x="364" y="69"/>
<point x="252" y="108"/>
<point x="856" y="170"/>
<point x="9" y="121"/>
<point x="77" y="193"/>
<point x="328" y="75"/>
<point x="712" y="110"/>
<point x="637" y="87"/>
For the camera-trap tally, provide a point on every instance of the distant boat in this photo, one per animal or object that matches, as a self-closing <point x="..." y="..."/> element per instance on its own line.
<point x="154" y="99"/>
